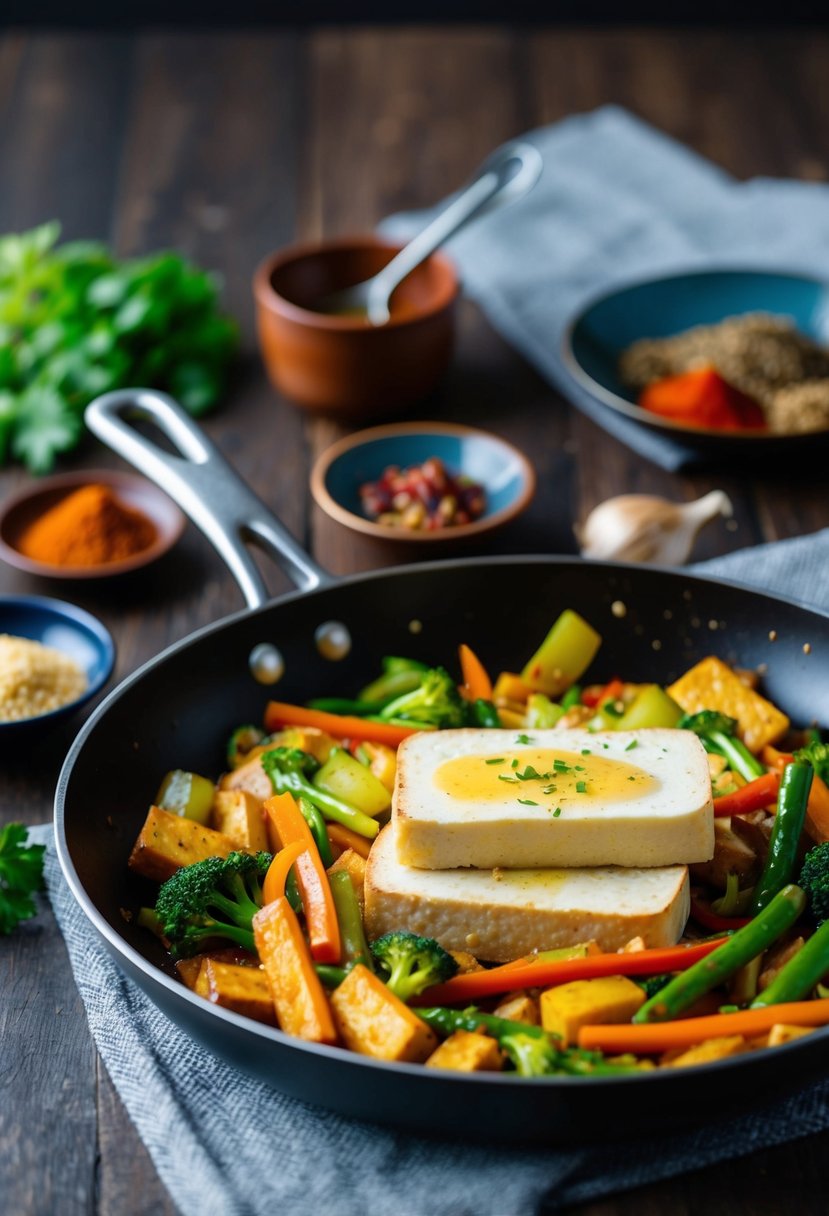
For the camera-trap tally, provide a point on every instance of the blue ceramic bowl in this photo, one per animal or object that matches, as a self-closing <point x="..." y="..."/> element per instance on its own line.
<point x="659" y="308"/>
<point x="505" y="473"/>
<point x="68" y="629"/>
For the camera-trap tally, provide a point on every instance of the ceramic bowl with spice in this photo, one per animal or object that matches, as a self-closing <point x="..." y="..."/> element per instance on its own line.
<point x="94" y="523"/>
<point x="423" y="482"/>
<point x="342" y="364"/>
<point x="54" y="657"/>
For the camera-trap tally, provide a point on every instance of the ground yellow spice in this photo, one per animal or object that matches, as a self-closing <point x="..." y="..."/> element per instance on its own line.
<point x="90" y="527"/>
<point x="35" y="679"/>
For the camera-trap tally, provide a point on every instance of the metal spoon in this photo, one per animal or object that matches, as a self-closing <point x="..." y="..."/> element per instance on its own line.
<point x="506" y="175"/>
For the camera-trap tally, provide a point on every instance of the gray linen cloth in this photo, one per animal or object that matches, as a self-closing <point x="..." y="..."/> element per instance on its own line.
<point x="617" y="202"/>
<point x="226" y="1145"/>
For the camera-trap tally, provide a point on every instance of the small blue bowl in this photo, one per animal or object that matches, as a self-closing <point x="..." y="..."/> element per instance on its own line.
<point x="659" y="308"/>
<point x="68" y="629"/>
<point x="505" y="473"/>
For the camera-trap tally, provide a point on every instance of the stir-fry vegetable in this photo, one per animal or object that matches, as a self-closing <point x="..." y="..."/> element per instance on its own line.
<point x="317" y="783"/>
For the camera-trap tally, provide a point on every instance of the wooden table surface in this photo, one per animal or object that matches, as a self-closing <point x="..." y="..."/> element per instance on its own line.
<point x="226" y="146"/>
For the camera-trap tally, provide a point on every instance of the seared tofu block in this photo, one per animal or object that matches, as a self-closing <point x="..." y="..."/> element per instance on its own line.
<point x="238" y="815"/>
<point x="374" y="1022"/>
<point x="488" y="798"/>
<point x="568" y="1007"/>
<point x="711" y="684"/>
<point x="504" y="915"/>
<point x="167" y="842"/>
<point x="467" y="1051"/>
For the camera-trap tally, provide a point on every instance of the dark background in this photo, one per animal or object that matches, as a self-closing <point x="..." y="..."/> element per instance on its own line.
<point x="220" y="13"/>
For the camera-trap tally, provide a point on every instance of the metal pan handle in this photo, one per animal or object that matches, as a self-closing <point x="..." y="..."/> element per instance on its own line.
<point x="204" y="485"/>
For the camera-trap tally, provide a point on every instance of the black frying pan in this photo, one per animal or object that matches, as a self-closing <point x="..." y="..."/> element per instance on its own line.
<point x="177" y="711"/>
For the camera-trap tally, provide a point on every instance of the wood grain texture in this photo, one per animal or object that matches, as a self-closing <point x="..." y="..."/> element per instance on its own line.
<point x="226" y="146"/>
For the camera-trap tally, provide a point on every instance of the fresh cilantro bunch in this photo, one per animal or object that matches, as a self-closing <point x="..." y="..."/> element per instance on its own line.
<point x="75" y="322"/>
<point x="21" y="874"/>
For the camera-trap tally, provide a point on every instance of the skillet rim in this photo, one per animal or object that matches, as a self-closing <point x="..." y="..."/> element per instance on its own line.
<point x="177" y="991"/>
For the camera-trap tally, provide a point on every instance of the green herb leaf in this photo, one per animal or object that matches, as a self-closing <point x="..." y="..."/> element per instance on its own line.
<point x="633" y="743"/>
<point x="527" y="802"/>
<point x="497" y="760"/>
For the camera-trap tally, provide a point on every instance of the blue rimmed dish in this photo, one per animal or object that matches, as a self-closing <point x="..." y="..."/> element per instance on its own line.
<point x="505" y="473"/>
<point x="72" y="631"/>
<point x="662" y="307"/>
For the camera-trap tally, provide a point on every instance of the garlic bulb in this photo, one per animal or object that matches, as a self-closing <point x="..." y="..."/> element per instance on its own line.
<point x="644" y="528"/>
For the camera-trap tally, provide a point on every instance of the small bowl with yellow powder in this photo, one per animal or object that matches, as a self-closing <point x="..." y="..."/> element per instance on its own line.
<point x="53" y="658"/>
<point x="89" y="524"/>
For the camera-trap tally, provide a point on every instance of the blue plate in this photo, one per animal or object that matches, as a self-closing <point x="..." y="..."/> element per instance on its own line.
<point x="68" y="629"/>
<point x="505" y="473"/>
<point x="659" y="308"/>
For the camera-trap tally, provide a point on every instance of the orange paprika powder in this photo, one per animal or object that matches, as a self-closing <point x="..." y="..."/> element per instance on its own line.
<point x="90" y="527"/>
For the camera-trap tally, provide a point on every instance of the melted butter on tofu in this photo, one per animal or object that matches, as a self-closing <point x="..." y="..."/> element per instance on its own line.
<point x="545" y="776"/>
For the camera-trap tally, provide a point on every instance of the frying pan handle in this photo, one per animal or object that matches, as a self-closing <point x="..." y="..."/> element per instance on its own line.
<point x="204" y="485"/>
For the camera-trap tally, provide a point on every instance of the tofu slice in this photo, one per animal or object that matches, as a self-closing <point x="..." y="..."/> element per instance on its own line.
<point x="489" y="798"/>
<point x="505" y="915"/>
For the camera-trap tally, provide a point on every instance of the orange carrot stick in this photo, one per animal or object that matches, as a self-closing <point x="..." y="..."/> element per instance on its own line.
<point x="311" y="877"/>
<point x="544" y="974"/>
<point x="341" y="726"/>
<point x="346" y="839"/>
<point x="477" y="685"/>
<point x="299" y="999"/>
<point x="663" y="1036"/>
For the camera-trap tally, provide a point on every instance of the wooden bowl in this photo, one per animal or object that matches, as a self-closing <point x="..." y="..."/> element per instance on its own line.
<point x="342" y="364"/>
<point x="133" y="491"/>
<point x="505" y="473"/>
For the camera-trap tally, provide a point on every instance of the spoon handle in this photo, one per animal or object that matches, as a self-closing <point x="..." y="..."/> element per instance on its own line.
<point x="509" y="173"/>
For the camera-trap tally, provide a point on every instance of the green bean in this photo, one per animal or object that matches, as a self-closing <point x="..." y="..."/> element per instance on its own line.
<point x="316" y="823"/>
<point x="801" y="974"/>
<point x="355" y="948"/>
<point x="785" y="835"/>
<point x="721" y="964"/>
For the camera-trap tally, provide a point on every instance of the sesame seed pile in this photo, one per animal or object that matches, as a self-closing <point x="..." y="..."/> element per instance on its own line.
<point x="35" y="679"/>
<point x="764" y="356"/>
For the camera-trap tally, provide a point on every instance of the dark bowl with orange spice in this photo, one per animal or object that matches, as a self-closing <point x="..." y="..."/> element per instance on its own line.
<point x="90" y="524"/>
<point x="342" y="364"/>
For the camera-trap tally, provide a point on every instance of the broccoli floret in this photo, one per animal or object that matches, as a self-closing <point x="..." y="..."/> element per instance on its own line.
<point x="654" y="983"/>
<point x="435" y="702"/>
<point x="531" y="1055"/>
<point x="816" y="754"/>
<point x="814" y="879"/>
<point x="718" y="734"/>
<point x="216" y="898"/>
<point x="412" y="962"/>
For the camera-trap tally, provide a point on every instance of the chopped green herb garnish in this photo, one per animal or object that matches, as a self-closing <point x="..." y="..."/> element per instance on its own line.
<point x="549" y="789"/>
<point x="556" y="812"/>
<point x="581" y="787"/>
<point x="561" y="767"/>
<point x="524" y="739"/>
<point x="497" y="760"/>
<point x="631" y="778"/>
<point x="531" y="774"/>
<point x="527" y="802"/>
<point x="580" y="768"/>
<point x="633" y="743"/>
<point x="585" y="751"/>
<point x="514" y="764"/>
<point x="511" y="780"/>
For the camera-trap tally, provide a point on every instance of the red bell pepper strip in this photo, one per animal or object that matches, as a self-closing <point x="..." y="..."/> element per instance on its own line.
<point x="545" y="974"/>
<point x="341" y="726"/>
<point x="704" y="916"/>
<point x="752" y="797"/>
<point x="595" y="698"/>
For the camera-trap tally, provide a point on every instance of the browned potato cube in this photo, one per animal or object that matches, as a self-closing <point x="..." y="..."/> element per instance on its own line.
<point x="167" y="842"/>
<point x="467" y="1051"/>
<point x="245" y="990"/>
<point x="704" y="1053"/>
<point x="239" y="815"/>
<point x="374" y="1022"/>
<point x="518" y="1007"/>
